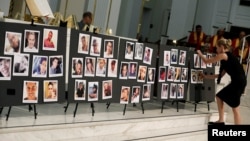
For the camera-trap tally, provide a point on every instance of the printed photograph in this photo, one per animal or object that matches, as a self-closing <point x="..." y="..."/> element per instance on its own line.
<point x="177" y="72"/>
<point x="203" y="64"/>
<point x="83" y="43"/>
<point x="173" y="89"/>
<point x="136" y="91"/>
<point x="5" y="68"/>
<point x="12" y="43"/>
<point x="30" y="91"/>
<point x="96" y="44"/>
<point x="151" y="75"/>
<point x="162" y="74"/>
<point x="55" y="66"/>
<point x="196" y="61"/>
<point x="182" y="57"/>
<point x="31" y="41"/>
<point x="112" y="67"/>
<point x="80" y="89"/>
<point x="194" y="76"/>
<point x="93" y="91"/>
<point x="101" y="67"/>
<point x="125" y="92"/>
<point x="138" y="51"/>
<point x="77" y="67"/>
<point x="129" y="51"/>
<point x="147" y="55"/>
<point x="164" y="91"/>
<point x="171" y="74"/>
<point x="209" y="55"/>
<point x="108" y="48"/>
<point x="184" y="75"/>
<point x="39" y="66"/>
<point x="107" y="89"/>
<point x="50" y="37"/>
<point x="174" y="54"/>
<point x="50" y="90"/>
<point x="89" y="66"/>
<point x="166" y="61"/>
<point x="180" y="91"/>
<point x="124" y="70"/>
<point x="146" y="92"/>
<point x="132" y="70"/>
<point x="142" y="73"/>
<point x="21" y="64"/>
<point x="199" y="76"/>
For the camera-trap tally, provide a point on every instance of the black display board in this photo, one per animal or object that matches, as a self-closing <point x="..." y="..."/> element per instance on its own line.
<point x="13" y="88"/>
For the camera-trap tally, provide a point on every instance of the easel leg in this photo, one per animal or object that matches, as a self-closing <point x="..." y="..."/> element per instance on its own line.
<point x="93" y="108"/>
<point x="162" y="106"/>
<point x="177" y="105"/>
<point x="208" y="106"/>
<point x="195" y="106"/>
<point x="1" y="109"/>
<point x="108" y="104"/>
<point x="35" y="113"/>
<point x="142" y="108"/>
<point x="66" y="107"/>
<point x="30" y="108"/>
<point x="75" y="109"/>
<point x="8" y="114"/>
<point x="124" y="109"/>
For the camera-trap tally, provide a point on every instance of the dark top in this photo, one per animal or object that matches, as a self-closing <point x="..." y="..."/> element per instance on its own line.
<point x="79" y="92"/>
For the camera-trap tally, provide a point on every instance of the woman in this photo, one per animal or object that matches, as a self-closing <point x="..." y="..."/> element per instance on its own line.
<point x="230" y="94"/>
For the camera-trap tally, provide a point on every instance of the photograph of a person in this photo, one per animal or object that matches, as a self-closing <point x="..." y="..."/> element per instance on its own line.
<point x="21" y="64"/>
<point x="107" y="89"/>
<point x="184" y="75"/>
<point x="142" y="73"/>
<point x="151" y="75"/>
<point x="93" y="91"/>
<point x="180" y="91"/>
<point x="5" y="68"/>
<point x="31" y="41"/>
<point x="147" y="55"/>
<point x="193" y="76"/>
<point x="30" y="91"/>
<point x="80" y="89"/>
<point x="177" y="76"/>
<point x="203" y="64"/>
<point x="108" y="48"/>
<point x="112" y="67"/>
<point x="173" y="89"/>
<point x="50" y="37"/>
<point x="209" y="55"/>
<point x="96" y="44"/>
<point x="83" y="43"/>
<point x="101" y="67"/>
<point x="146" y="92"/>
<point x="162" y="74"/>
<point x="129" y="51"/>
<point x="124" y="70"/>
<point x="199" y="76"/>
<point x="136" y="91"/>
<point x="125" y="92"/>
<point x="50" y="90"/>
<point x="55" y="66"/>
<point x="166" y="61"/>
<point x="39" y="66"/>
<point x="132" y="70"/>
<point x="174" y="54"/>
<point x="77" y="67"/>
<point x="196" y="61"/>
<point x="182" y="57"/>
<point x="164" y="91"/>
<point x="171" y="73"/>
<point x="89" y="66"/>
<point x="12" y="43"/>
<point x="138" y="51"/>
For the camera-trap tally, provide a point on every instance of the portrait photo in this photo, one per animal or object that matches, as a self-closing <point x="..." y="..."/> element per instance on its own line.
<point x="50" y="37"/>
<point x="80" y="89"/>
<point x="146" y="92"/>
<point x="147" y="55"/>
<point x="77" y="67"/>
<point x="30" y="91"/>
<point x="203" y="64"/>
<point x="166" y="61"/>
<point x="142" y="73"/>
<point x="132" y="70"/>
<point x="83" y="43"/>
<point x="21" y="64"/>
<point x="125" y="92"/>
<point x="96" y="45"/>
<point x="196" y="61"/>
<point x="124" y="70"/>
<point x="151" y="75"/>
<point x="108" y="48"/>
<point x="171" y="74"/>
<point x="129" y="51"/>
<point x="138" y="51"/>
<point x="199" y="76"/>
<point x="136" y="92"/>
<point x="162" y="74"/>
<point x="209" y="55"/>
<point x="194" y="76"/>
<point x="93" y="91"/>
<point x="180" y="91"/>
<point x="112" y="67"/>
<point x="5" y="68"/>
<point x="177" y="74"/>
<point x="55" y="66"/>
<point x="182" y="57"/>
<point x="164" y="91"/>
<point x="173" y="89"/>
<point x="174" y="54"/>
<point x="50" y="90"/>
<point x="184" y="75"/>
<point x="89" y="66"/>
<point x="101" y="66"/>
<point x="107" y="89"/>
<point x="12" y="43"/>
<point x="39" y="66"/>
<point x="31" y="41"/>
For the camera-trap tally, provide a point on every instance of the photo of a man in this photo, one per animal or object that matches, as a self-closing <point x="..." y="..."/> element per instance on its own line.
<point x="21" y="64"/>
<point x="12" y="43"/>
<point x="80" y="89"/>
<point x="50" y="39"/>
<point x="31" y="41"/>
<point x="30" y="91"/>
<point x="83" y="43"/>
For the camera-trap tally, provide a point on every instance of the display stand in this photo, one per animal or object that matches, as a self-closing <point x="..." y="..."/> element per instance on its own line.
<point x="66" y="107"/>
<point x="174" y="101"/>
<point x="108" y="104"/>
<point x="1" y="109"/>
<point x="124" y="109"/>
<point x="93" y="108"/>
<point x="8" y="114"/>
<point x="142" y="108"/>
<point x="75" y="109"/>
<point x="35" y="113"/>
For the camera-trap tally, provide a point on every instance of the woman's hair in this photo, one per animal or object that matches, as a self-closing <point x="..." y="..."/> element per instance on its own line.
<point x="226" y="43"/>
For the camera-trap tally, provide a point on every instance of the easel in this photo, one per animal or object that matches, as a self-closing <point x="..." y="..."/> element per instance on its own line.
<point x="108" y="104"/>
<point x="91" y="105"/>
<point x="125" y="106"/>
<point x="30" y="109"/>
<point x="174" y="101"/>
<point x="66" y="107"/>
